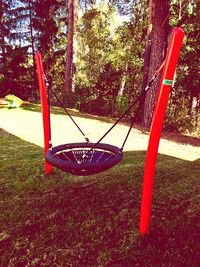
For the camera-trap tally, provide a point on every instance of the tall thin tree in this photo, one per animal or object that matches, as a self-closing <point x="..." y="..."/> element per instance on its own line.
<point x="71" y="45"/>
<point x="32" y="44"/>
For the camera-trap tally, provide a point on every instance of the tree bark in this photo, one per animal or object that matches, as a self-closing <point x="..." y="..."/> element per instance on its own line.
<point x="121" y="90"/>
<point x="33" y="51"/>
<point x="158" y="27"/>
<point x="74" y="56"/>
<point x="147" y="54"/>
<point x="71" y="46"/>
<point x="68" y="69"/>
<point x="2" y="40"/>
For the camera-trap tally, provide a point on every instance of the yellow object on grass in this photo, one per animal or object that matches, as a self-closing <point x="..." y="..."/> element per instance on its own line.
<point x="14" y="101"/>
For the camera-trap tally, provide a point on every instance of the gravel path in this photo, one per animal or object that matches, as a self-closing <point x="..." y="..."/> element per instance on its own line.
<point x="27" y="125"/>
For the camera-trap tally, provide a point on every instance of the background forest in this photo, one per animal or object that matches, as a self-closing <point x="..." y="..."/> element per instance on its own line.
<point x="108" y="67"/>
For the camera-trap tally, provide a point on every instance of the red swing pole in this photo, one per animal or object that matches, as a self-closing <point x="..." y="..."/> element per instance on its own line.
<point x="166" y="82"/>
<point x="45" y="108"/>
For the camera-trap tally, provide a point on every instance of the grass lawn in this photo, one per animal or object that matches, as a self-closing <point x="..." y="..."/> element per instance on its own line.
<point x="62" y="220"/>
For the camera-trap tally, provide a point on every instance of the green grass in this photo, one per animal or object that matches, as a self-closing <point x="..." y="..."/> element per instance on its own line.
<point x="63" y="220"/>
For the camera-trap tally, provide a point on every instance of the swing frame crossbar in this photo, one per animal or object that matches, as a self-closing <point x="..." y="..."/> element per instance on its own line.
<point x="168" y="70"/>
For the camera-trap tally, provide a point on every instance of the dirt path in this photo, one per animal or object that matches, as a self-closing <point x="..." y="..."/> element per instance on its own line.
<point x="27" y="125"/>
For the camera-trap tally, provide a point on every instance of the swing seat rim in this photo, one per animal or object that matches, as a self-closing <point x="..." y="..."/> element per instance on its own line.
<point x="84" y="168"/>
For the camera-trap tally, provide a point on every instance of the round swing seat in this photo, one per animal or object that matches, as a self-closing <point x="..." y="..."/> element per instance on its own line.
<point x="84" y="159"/>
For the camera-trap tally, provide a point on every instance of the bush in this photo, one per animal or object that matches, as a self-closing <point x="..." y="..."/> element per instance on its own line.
<point x="122" y="103"/>
<point x="181" y="123"/>
<point x="97" y="106"/>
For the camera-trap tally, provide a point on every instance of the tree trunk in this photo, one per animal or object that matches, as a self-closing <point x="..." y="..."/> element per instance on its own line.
<point x="147" y="54"/>
<point x="2" y="40"/>
<point x="33" y="52"/>
<point x="180" y="10"/>
<point x="68" y="69"/>
<point x="121" y="90"/>
<point x="158" y="25"/>
<point x="192" y="105"/>
<point x="74" y="56"/>
<point x="71" y="46"/>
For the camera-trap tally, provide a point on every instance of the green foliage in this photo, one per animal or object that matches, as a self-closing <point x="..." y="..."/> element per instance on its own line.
<point x="14" y="56"/>
<point x="184" y="106"/>
<point x="95" y="44"/>
<point x="181" y="121"/>
<point x="110" y="54"/>
<point x="49" y="23"/>
<point x="15" y="72"/>
<point x="122" y="103"/>
<point x="45" y="20"/>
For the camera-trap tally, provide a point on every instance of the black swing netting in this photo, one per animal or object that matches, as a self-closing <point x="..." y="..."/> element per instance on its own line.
<point x="83" y="158"/>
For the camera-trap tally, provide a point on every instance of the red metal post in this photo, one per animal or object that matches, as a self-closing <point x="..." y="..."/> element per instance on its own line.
<point x="44" y="102"/>
<point x="172" y="56"/>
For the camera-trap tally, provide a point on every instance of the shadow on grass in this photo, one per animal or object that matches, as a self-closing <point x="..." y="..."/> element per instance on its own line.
<point x="60" y="220"/>
<point x="182" y="139"/>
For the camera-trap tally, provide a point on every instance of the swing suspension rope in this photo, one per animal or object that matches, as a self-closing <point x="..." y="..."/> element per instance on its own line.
<point x="63" y="107"/>
<point x="139" y="100"/>
<point x="89" y="158"/>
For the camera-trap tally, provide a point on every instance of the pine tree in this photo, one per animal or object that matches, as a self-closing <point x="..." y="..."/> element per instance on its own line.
<point x="13" y="58"/>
